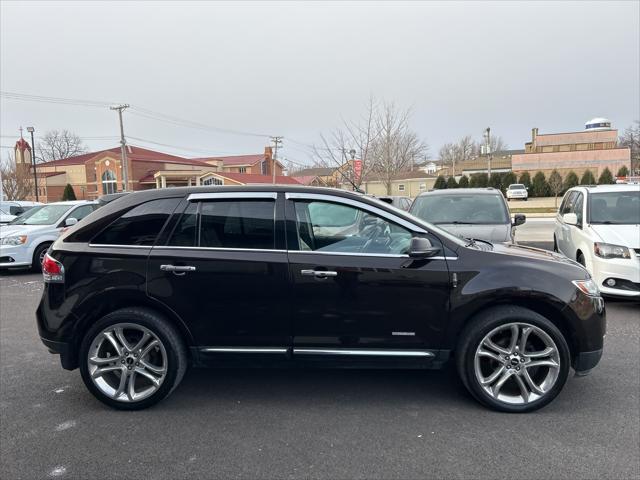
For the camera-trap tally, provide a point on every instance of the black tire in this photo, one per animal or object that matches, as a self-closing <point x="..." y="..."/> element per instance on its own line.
<point x="484" y="323"/>
<point x="174" y="345"/>
<point x="526" y="199"/>
<point x="38" y="253"/>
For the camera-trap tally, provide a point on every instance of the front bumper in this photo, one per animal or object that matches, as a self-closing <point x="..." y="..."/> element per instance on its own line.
<point x="625" y="269"/>
<point x="15" y="256"/>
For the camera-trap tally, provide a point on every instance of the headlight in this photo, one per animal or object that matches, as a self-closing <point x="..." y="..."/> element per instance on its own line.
<point x="19" y="240"/>
<point x="588" y="287"/>
<point x="607" y="250"/>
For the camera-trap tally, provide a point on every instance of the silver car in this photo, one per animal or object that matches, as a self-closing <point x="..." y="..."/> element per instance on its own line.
<point x="480" y="213"/>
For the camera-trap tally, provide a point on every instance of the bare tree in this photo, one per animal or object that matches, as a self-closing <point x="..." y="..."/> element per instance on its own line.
<point x="555" y="185"/>
<point x="16" y="182"/>
<point x="631" y="138"/>
<point x="397" y="147"/>
<point x="466" y="149"/>
<point x="58" y="144"/>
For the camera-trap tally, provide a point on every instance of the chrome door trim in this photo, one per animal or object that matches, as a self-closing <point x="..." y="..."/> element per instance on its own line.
<point x="113" y="245"/>
<point x="358" y="254"/>
<point x="244" y="349"/>
<point x="231" y="195"/>
<point x="219" y="249"/>
<point x="353" y="203"/>
<point x="363" y="352"/>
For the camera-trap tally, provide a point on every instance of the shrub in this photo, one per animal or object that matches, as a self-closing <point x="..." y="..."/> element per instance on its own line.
<point x="570" y="181"/>
<point x="68" y="193"/>
<point x="478" y="180"/>
<point x="623" y="172"/>
<point x="587" y="178"/>
<point x="540" y="186"/>
<point x="606" y="178"/>
<point x="525" y="179"/>
<point x="463" y="182"/>
<point x="440" y="184"/>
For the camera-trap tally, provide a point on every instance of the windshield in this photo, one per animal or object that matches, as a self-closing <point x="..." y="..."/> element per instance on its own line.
<point x="516" y="187"/>
<point x="45" y="215"/>
<point x="618" y="208"/>
<point x="462" y="209"/>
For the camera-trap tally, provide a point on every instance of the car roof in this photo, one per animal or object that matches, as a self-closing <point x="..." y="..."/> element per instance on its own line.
<point x="620" y="187"/>
<point x="73" y="202"/>
<point x="463" y="191"/>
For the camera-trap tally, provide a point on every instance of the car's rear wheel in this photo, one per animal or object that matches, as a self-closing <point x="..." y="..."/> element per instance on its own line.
<point x="513" y="359"/>
<point x="132" y="359"/>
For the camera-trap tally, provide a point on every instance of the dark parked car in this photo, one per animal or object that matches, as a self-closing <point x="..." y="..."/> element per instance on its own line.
<point x="480" y="213"/>
<point x="281" y="275"/>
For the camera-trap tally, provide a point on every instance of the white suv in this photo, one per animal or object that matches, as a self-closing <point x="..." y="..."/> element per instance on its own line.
<point x="599" y="227"/>
<point x="25" y="240"/>
<point x="517" y="190"/>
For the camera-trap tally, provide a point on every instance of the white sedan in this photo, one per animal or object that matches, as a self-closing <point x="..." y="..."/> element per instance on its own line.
<point x="599" y="227"/>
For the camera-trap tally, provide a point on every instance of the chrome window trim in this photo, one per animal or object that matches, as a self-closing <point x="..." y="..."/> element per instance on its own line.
<point x="363" y="352"/>
<point x="113" y="245"/>
<point x="231" y="195"/>
<point x="220" y="249"/>
<point x="358" y="254"/>
<point x="354" y="203"/>
<point x="244" y="349"/>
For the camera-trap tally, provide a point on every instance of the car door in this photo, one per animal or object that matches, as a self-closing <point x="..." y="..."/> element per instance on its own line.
<point x="223" y="270"/>
<point x="564" y="230"/>
<point x="355" y="291"/>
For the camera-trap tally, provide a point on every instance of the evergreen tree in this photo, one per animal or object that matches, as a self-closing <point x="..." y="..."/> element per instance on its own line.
<point x="495" y="181"/>
<point x="464" y="182"/>
<point x="440" y="184"/>
<point x="606" y="178"/>
<point x="587" y="178"/>
<point x="451" y="182"/>
<point x="540" y="186"/>
<point x="570" y="181"/>
<point x="623" y="171"/>
<point x="68" y="193"/>
<point x="478" y="180"/>
<point x="525" y="179"/>
<point x="508" y="178"/>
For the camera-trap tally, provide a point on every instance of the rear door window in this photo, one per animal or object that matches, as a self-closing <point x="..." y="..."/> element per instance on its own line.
<point x="246" y="224"/>
<point x="140" y="225"/>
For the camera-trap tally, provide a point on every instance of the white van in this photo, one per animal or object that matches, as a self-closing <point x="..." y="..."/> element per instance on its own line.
<point x="10" y="209"/>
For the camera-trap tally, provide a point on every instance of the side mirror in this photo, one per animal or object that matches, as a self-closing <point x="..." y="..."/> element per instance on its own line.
<point x="422" y="248"/>
<point x="519" y="219"/>
<point x="570" y="219"/>
<point x="70" y="221"/>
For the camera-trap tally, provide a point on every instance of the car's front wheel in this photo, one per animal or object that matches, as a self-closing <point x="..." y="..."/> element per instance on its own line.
<point x="132" y="359"/>
<point x="513" y="359"/>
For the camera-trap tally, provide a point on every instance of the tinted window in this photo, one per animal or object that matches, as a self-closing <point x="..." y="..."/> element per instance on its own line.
<point x="615" y="207"/>
<point x="464" y="209"/>
<point x="329" y="227"/>
<point x="185" y="234"/>
<point x="46" y="215"/>
<point x="237" y="224"/>
<point x="140" y="225"/>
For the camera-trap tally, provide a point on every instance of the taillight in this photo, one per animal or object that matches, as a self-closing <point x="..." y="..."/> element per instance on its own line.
<point x="52" y="270"/>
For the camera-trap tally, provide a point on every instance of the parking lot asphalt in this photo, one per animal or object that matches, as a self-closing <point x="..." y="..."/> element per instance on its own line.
<point x="309" y="423"/>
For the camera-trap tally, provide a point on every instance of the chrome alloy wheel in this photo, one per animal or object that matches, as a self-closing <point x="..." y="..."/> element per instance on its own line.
<point x="127" y="362"/>
<point x="517" y="363"/>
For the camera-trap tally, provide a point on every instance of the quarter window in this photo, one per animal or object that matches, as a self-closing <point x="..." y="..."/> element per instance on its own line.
<point x="140" y="225"/>
<point x="567" y="203"/>
<point x="332" y="227"/>
<point x="81" y="212"/>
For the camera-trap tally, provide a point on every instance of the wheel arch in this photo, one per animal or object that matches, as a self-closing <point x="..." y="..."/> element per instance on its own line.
<point x="108" y="302"/>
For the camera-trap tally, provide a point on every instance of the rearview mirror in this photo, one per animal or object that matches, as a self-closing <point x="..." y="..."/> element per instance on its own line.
<point x="70" y="221"/>
<point x="519" y="219"/>
<point x="422" y="248"/>
<point x="570" y="218"/>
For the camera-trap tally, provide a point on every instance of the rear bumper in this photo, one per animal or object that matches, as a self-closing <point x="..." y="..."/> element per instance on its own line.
<point x="586" y="361"/>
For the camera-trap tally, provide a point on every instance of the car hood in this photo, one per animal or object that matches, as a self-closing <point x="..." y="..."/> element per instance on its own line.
<point x="490" y="233"/>
<point x="625" y="235"/>
<point x="532" y="253"/>
<point x="14" y="230"/>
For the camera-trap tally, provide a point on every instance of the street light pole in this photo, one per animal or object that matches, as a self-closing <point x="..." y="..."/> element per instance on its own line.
<point x="487" y="138"/>
<point x="33" y="162"/>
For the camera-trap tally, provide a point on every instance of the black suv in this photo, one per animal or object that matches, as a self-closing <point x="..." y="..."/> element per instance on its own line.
<point x="274" y="276"/>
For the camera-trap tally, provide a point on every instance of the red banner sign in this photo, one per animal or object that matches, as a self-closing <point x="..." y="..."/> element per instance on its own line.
<point x="357" y="171"/>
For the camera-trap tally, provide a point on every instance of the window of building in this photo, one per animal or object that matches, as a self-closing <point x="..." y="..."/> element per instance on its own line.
<point x="238" y="224"/>
<point x="109" y="183"/>
<point x="332" y="227"/>
<point x="423" y="186"/>
<point x="401" y="187"/>
<point x="243" y="169"/>
<point x="264" y="168"/>
<point x="140" y="225"/>
<point x="212" y="181"/>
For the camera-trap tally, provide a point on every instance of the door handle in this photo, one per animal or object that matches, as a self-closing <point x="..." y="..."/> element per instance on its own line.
<point x="318" y="273"/>
<point x="177" y="268"/>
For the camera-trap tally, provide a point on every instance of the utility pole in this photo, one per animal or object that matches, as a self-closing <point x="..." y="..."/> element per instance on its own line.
<point x="277" y="141"/>
<point x="453" y="161"/>
<point x="487" y="139"/>
<point x="33" y="162"/>
<point x="123" y="147"/>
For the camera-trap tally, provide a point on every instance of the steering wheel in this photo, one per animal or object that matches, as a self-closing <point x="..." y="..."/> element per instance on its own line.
<point x="379" y="230"/>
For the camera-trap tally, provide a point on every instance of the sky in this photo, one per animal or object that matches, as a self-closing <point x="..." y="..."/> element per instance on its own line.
<point x="297" y="69"/>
